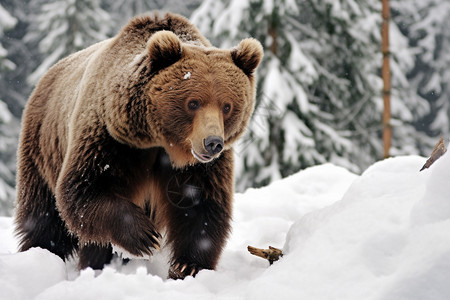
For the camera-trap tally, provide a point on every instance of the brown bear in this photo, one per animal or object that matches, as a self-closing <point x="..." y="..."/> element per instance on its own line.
<point x="132" y="137"/>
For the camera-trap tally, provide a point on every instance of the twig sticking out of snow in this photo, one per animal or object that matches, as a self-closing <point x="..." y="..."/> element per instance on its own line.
<point x="272" y="254"/>
<point x="438" y="151"/>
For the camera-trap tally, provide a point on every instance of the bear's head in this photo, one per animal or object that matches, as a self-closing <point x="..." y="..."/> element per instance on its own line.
<point x="203" y="97"/>
<point x="198" y="99"/>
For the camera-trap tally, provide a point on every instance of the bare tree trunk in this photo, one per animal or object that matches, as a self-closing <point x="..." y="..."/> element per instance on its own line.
<point x="386" y="74"/>
<point x="273" y="35"/>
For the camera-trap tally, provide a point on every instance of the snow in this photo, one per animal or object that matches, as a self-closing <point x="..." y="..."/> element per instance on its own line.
<point x="382" y="235"/>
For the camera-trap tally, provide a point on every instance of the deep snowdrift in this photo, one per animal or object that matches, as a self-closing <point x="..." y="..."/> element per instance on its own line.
<point x="382" y="235"/>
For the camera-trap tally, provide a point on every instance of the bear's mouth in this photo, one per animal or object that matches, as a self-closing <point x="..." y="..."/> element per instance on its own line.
<point x="203" y="158"/>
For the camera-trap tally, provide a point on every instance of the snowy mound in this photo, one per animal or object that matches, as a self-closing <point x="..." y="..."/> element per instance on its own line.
<point x="382" y="235"/>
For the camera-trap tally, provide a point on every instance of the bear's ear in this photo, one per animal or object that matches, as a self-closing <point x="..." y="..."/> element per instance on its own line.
<point x="247" y="55"/>
<point x="164" y="49"/>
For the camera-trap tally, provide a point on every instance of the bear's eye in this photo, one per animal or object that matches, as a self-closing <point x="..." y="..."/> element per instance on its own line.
<point x="193" y="104"/>
<point x="226" y="108"/>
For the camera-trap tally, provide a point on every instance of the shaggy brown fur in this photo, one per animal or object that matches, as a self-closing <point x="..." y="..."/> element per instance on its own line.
<point x="133" y="136"/>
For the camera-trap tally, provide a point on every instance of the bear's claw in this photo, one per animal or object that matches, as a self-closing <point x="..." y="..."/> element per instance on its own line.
<point x="142" y="236"/>
<point x="180" y="271"/>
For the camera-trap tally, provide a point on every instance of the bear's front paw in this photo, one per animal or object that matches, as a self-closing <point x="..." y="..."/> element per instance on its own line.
<point x="136" y="234"/>
<point x="180" y="270"/>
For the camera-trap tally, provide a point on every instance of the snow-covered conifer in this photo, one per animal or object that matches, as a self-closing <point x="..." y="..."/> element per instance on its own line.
<point x="425" y="25"/>
<point x="7" y="134"/>
<point x="62" y="27"/>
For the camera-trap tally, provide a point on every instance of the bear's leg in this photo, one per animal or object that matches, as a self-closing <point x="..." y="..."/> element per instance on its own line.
<point x="38" y="223"/>
<point x="198" y="216"/>
<point x="94" y="256"/>
<point x="95" y="201"/>
<point x="198" y="241"/>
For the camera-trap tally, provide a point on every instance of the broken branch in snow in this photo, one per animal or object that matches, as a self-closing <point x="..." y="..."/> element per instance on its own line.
<point x="272" y="254"/>
<point x="438" y="151"/>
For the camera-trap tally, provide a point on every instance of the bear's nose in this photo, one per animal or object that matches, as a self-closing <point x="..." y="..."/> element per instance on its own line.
<point x="213" y="144"/>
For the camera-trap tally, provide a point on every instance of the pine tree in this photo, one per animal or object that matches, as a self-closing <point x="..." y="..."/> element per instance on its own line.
<point x="7" y="133"/>
<point x="425" y="25"/>
<point x="6" y="22"/>
<point x="65" y="26"/>
<point x="319" y="87"/>
<point x="14" y="89"/>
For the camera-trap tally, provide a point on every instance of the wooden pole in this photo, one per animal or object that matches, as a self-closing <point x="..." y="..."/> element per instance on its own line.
<point x="273" y="35"/>
<point x="386" y="75"/>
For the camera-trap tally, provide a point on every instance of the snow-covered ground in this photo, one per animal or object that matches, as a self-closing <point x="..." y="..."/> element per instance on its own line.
<point x="382" y="235"/>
